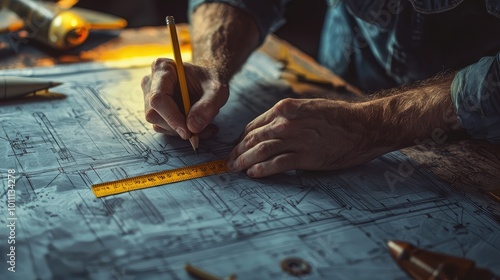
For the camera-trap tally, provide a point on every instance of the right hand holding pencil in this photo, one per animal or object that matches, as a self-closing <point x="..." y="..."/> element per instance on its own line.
<point x="163" y="102"/>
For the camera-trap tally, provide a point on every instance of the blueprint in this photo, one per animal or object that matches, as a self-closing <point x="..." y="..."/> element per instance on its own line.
<point x="91" y="130"/>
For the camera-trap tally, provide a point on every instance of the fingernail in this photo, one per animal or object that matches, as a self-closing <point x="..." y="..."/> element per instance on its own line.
<point x="199" y="124"/>
<point x="181" y="133"/>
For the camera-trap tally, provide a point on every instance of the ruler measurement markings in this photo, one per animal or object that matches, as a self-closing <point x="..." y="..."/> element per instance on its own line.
<point x="159" y="178"/>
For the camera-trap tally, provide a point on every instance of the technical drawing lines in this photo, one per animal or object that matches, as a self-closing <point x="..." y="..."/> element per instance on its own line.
<point x="122" y="133"/>
<point x="338" y="221"/>
<point x="53" y="138"/>
<point x="20" y="143"/>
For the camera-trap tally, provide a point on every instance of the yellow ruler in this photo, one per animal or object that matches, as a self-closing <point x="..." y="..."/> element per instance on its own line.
<point x="160" y="178"/>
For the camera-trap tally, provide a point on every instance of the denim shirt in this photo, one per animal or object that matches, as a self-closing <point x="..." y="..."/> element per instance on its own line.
<point x="381" y="44"/>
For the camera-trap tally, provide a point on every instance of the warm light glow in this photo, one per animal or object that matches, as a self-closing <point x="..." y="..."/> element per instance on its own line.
<point x="146" y="52"/>
<point x="57" y="21"/>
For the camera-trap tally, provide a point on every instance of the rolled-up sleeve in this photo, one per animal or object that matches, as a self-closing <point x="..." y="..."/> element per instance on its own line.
<point x="475" y="93"/>
<point x="268" y="14"/>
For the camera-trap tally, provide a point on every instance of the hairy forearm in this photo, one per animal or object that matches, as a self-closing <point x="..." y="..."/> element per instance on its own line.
<point x="222" y="38"/>
<point x="421" y="114"/>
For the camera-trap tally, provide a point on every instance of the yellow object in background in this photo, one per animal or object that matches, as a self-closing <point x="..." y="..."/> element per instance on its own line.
<point x="55" y="26"/>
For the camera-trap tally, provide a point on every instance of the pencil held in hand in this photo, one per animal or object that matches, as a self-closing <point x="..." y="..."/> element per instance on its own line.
<point x="181" y="75"/>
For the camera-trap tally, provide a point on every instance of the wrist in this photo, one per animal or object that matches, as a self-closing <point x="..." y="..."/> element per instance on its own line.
<point x="216" y="73"/>
<point x="380" y="134"/>
<point x="362" y="125"/>
<point x="389" y="123"/>
<point x="418" y="115"/>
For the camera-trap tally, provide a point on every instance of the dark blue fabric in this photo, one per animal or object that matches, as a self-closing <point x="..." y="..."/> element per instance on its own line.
<point x="381" y="44"/>
<point x="476" y="95"/>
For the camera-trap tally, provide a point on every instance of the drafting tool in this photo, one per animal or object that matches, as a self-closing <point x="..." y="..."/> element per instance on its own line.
<point x="202" y="275"/>
<point x="11" y="86"/>
<point x="181" y="76"/>
<point x="422" y="264"/>
<point x="160" y="178"/>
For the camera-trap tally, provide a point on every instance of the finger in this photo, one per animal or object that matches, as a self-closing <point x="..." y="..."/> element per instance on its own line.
<point x="278" y="128"/>
<point x="160" y="129"/>
<point x="151" y="115"/>
<point x="261" y="120"/>
<point x="163" y="70"/>
<point x="154" y="118"/>
<point x="251" y="139"/>
<point x="285" y="108"/>
<point x="160" y="95"/>
<point x="146" y="84"/>
<point x="277" y="164"/>
<point x="209" y="131"/>
<point x="206" y="109"/>
<point x="261" y="152"/>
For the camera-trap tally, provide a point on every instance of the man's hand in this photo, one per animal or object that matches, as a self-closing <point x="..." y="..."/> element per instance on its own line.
<point x="309" y="134"/>
<point x="163" y="103"/>
<point x="222" y="38"/>
<point x="320" y="134"/>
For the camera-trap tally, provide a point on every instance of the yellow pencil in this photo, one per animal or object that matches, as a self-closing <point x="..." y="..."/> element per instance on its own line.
<point x="182" y="76"/>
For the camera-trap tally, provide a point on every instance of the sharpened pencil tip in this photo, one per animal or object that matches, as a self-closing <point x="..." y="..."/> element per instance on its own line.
<point x="196" y="151"/>
<point x="194" y="142"/>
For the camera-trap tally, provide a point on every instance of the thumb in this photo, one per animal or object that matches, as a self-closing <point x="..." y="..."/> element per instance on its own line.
<point x="206" y="109"/>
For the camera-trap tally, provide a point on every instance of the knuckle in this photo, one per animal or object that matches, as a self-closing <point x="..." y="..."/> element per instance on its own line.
<point x="269" y="134"/>
<point x="282" y="125"/>
<point x="287" y="108"/>
<point x="312" y="136"/>
<point x="250" y="140"/>
<point x="248" y="128"/>
<point x="156" y="99"/>
<point x="163" y="65"/>
<point x="284" y="163"/>
<point x="170" y="119"/>
<point x="151" y="116"/>
<point x="241" y="161"/>
<point x="145" y="82"/>
<point x="207" y="109"/>
<point x="263" y="149"/>
<point x="158" y="64"/>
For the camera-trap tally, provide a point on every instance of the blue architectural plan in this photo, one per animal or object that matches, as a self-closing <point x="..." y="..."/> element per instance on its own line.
<point x="91" y="130"/>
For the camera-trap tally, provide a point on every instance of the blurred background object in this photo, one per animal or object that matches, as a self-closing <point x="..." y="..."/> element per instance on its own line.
<point x="140" y="13"/>
<point x="303" y="27"/>
<point x="57" y="25"/>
